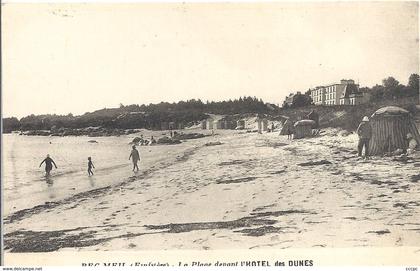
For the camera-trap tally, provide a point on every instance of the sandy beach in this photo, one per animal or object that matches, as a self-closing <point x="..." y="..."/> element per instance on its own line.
<point x="252" y="191"/>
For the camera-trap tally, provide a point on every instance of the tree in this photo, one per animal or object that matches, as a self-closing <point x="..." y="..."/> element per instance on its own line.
<point x="393" y="89"/>
<point x="10" y="124"/>
<point x="377" y="92"/>
<point x="390" y="82"/>
<point x="300" y="100"/>
<point x="413" y="81"/>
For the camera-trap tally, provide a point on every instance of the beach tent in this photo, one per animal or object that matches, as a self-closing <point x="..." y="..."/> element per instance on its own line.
<point x="240" y="124"/>
<point x="303" y="128"/>
<point x="226" y="124"/>
<point x="229" y="124"/>
<point x="209" y="124"/>
<point x="218" y="124"/>
<point x="287" y="124"/>
<point x="262" y="125"/>
<point x="390" y="126"/>
<point x="204" y="124"/>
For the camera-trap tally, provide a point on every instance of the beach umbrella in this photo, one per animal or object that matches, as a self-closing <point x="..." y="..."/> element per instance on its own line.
<point x="390" y="126"/>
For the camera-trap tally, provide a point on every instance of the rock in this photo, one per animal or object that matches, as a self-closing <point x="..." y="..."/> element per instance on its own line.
<point x="315" y="163"/>
<point x="95" y="134"/>
<point x="129" y="131"/>
<point x="37" y="133"/>
<point x="213" y="143"/>
<point x="136" y="140"/>
<point x="188" y="136"/>
<point x="168" y="141"/>
<point x="380" y="232"/>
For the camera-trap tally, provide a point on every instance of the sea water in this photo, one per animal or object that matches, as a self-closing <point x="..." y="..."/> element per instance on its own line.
<point x="25" y="184"/>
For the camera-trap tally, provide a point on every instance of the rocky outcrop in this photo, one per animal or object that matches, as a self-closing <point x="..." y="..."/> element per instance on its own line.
<point x="183" y="136"/>
<point x="88" y="131"/>
<point x="168" y="141"/>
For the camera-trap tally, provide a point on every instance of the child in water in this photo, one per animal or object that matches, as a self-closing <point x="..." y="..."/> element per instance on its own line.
<point x="135" y="156"/>
<point x="90" y="166"/>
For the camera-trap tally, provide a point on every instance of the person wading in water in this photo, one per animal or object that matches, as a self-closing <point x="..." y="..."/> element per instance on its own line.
<point x="48" y="164"/>
<point x="135" y="157"/>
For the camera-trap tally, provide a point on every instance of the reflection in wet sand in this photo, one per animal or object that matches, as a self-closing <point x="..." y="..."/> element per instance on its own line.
<point x="49" y="180"/>
<point x="50" y="186"/>
<point x="92" y="181"/>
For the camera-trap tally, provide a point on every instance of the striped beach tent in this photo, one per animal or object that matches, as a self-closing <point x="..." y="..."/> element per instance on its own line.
<point x="390" y="126"/>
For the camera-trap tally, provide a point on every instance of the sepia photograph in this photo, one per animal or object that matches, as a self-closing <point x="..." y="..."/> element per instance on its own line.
<point x="240" y="126"/>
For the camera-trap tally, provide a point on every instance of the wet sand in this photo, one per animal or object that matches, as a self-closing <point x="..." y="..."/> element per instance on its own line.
<point x="252" y="191"/>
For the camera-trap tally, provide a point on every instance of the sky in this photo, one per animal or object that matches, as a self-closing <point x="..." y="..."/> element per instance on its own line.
<point x="77" y="58"/>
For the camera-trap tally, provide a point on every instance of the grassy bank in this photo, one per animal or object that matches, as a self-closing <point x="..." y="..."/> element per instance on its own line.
<point x="345" y="116"/>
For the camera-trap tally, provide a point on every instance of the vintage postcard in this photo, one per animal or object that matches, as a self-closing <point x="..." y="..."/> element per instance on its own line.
<point x="211" y="134"/>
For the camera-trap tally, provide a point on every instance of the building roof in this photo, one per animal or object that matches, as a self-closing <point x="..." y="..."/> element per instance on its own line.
<point x="344" y="82"/>
<point x="350" y="89"/>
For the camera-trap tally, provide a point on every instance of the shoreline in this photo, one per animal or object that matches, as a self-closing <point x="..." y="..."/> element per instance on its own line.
<point x="226" y="195"/>
<point x="93" y="193"/>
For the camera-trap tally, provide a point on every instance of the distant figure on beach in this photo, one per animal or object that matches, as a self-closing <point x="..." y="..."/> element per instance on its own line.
<point x="172" y="134"/>
<point x="364" y="131"/>
<point x="152" y="140"/>
<point x="90" y="166"/>
<point x="48" y="164"/>
<point x="135" y="157"/>
<point x="141" y="140"/>
<point x="289" y="133"/>
<point x="289" y="130"/>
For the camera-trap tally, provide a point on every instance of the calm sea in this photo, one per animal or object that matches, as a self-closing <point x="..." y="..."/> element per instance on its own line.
<point x="25" y="184"/>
